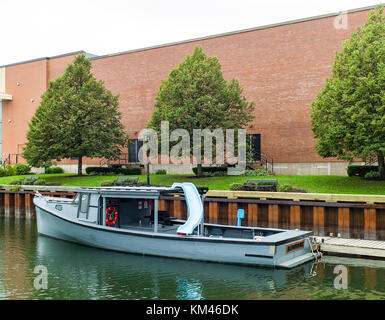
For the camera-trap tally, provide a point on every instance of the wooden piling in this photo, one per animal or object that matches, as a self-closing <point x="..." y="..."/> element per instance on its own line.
<point x="232" y="208"/>
<point x="29" y="206"/>
<point x="162" y="205"/>
<point x="370" y="223"/>
<point x="319" y="220"/>
<point x="19" y="204"/>
<point x="295" y="217"/>
<point x="213" y="212"/>
<point x="273" y="215"/>
<point x="1" y="203"/>
<point x="343" y="222"/>
<point x="178" y="209"/>
<point x="9" y="202"/>
<point x="252" y="212"/>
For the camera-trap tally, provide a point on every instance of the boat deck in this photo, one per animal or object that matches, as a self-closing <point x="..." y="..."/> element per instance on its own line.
<point x="161" y="228"/>
<point x="352" y="247"/>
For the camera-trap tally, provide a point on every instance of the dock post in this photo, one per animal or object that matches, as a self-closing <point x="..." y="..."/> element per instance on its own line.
<point x="162" y="205"/>
<point x="19" y="205"/>
<point x="273" y="216"/>
<point x="8" y="204"/>
<point x="178" y="209"/>
<point x="295" y="217"/>
<point x="28" y="205"/>
<point x="370" y="224"/>
<point x="232" y="213"/>
<point x="344" y="222"/>
<point x="252" y="214"/>
<point x="213" y="212"/>
<point x="1" y="204"/>
<point x="319" y="220"/>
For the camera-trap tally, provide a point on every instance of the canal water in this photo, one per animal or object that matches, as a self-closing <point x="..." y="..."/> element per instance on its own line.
<point x="79" y="272"/>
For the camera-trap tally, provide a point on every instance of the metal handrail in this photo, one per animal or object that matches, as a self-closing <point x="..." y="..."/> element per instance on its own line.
<point x="123" y="159"/>
<point x="265" y="160"/>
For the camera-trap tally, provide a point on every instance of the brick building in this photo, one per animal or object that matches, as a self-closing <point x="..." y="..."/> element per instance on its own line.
<point x="281" y="67"/>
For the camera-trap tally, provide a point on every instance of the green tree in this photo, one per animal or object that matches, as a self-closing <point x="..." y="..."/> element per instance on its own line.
<point x="196" y="96"/>
<point x="348" y="116"/>
<point x="77" y="118"/>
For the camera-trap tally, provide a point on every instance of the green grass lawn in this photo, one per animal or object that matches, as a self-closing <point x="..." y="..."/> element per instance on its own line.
<point x="317" y="184"/>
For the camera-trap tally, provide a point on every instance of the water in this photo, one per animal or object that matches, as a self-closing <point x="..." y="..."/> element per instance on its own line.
<point x="79" y="272"/>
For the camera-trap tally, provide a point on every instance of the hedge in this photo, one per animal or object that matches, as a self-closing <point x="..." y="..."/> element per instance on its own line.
<point x="211" y="169"/>
<point x="360" y="171"/>
<point x="21" y="169"/>
<point x="107" y="170"/>
<point x="51" y="170"/>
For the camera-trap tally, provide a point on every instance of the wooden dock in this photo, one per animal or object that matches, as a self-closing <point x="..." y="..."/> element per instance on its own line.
<point x="352" y="247"/>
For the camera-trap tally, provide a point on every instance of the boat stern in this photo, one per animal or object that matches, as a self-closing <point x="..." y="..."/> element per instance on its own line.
<point x="293" y="248"/>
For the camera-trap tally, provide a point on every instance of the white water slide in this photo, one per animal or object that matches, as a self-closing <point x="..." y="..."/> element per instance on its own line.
<point x="194" y="207"/>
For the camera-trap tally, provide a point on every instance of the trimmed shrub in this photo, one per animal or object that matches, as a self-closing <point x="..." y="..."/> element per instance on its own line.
<point x="21" y="169"/>
<point x="113" y="171"/>
<point x="51" y="170"/>
<point x="249" y="186"/>
<point x="360" y="171"/>
<point x="122" y="183"/>
<point x="129" y="171"/>
<point x="10" y="171"/>
<point x="219" y="174"/>
<point x="40" y="182"/>
<point x="3" y="172"/>
<point x="14" y="182"/>
<point x="214" y="174"/>
<point x="106" y="184"/>
<point x="285" y="188"/>
<point x="14" y="188"/>
<point x="161" y="171"/>
<point x="211" y="170"/>
<point x="372" y="175"/>
<point x="236" y="186"/>
<point x="255" y="173"/>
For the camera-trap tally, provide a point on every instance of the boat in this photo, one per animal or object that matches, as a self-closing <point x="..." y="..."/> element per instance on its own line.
<point x="128" y="219"/>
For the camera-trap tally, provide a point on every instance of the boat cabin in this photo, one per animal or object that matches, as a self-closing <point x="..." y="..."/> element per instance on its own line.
<point x="136" y="208"/>
<point x="122" y="207"/>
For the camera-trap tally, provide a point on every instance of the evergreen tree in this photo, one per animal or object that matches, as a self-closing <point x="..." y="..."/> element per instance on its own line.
<point x="348" y="116"/>
<point x="196" y="96"/>
<point x="77" y="118"/>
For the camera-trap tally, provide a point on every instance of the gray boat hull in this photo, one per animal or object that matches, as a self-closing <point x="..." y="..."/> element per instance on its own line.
<point x="234" y="251"/>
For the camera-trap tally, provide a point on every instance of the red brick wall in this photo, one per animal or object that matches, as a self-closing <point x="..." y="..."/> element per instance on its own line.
<point x="24" y="82"/>
<point x="282" y="69"/>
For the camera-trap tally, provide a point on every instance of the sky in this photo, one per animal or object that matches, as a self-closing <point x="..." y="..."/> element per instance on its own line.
<point x="44" y="28"/>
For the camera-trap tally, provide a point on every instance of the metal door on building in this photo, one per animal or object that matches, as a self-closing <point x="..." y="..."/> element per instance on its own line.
<point x="133" y="149"/>
<point x="254" y="146"/>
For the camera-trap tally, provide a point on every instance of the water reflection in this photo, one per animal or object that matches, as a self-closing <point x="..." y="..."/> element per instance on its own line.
<point x="126" y="276"/>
